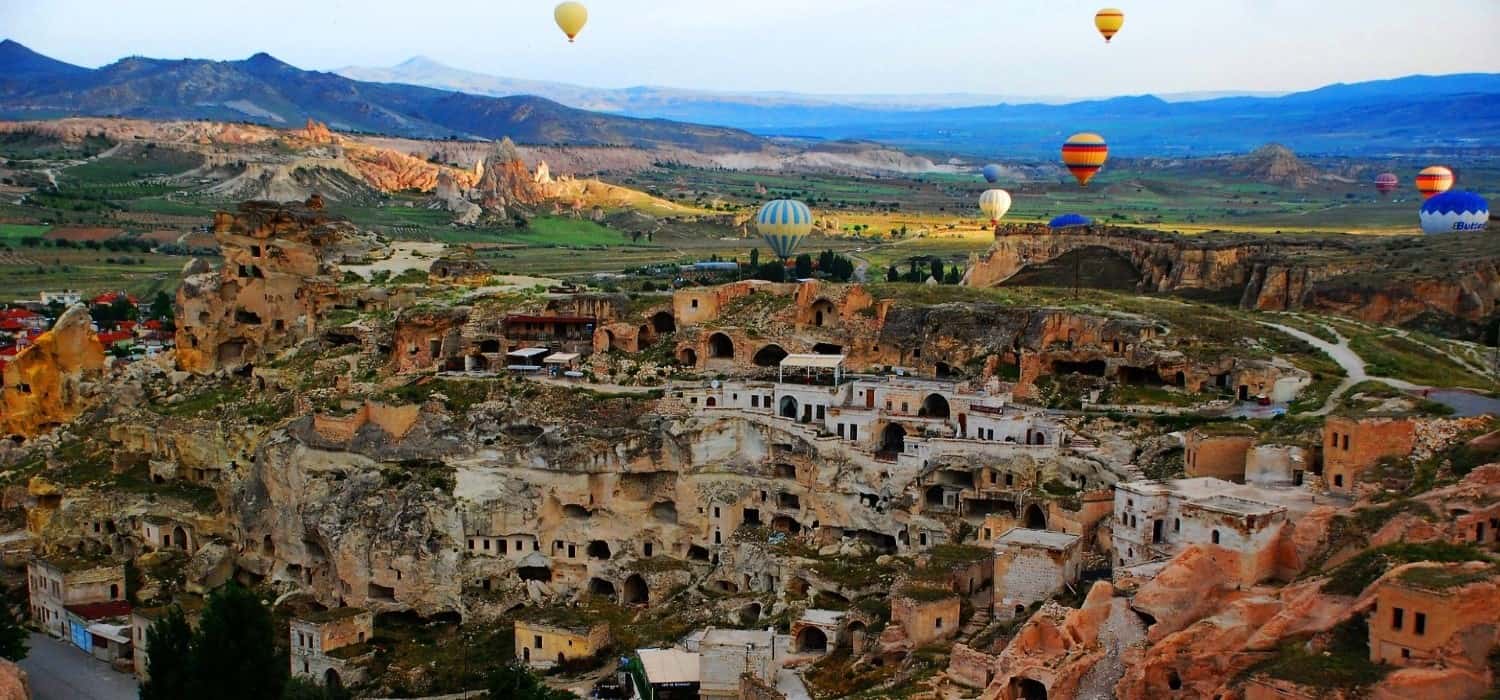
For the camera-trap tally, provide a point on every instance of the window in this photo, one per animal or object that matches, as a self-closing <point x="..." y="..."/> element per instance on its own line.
<point x="755" y="401"/>
<point x="1010" y="479"/>
<point x="471" y="544"/>
<point x="820" y="413"/>
<point x="939" y="624"/>
<point x="1406" y="653"/>
<point x="1398" y="618"/>
<point x="572" y="551"/>
<point x="1338" y="479"/>
<point x="853" y="432"/>
<point x="1419" y="624"/>
<point x="987" y="534"/>
<point x="647" y="549"/>
<point x="716" y="511"/>
<point x="922" y="539"/>
<point x="1216" y="536"/>
<point x="841" y="430"/>
<point x="1335" y="442"/>
<point x="992" y="477"/>
<point x="536" y="641"/>
<point x="1346" y="442"/>
<point x="486" y="545"/>
<point x="695" y="303"/>
<point x="1176" y="524"/>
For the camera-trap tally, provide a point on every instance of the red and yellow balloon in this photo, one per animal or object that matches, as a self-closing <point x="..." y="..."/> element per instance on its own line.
<point x="1084" y="154"/>
<point x="1108" y="21"/>
<point x="1434" y="180"/>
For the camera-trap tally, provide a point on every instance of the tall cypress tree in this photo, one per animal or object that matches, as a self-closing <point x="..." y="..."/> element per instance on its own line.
<point x="12" y="634"/>
<point x="168" y="657"/>
<point x="234" y="653"/>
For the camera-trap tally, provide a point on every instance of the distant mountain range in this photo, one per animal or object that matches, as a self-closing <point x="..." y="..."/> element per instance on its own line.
<point x="264" y="90"/>
<point x="1412" y="115"/>
<point x="767" y="111"/>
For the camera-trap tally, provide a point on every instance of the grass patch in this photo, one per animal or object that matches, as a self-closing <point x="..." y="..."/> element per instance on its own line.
<point x="1355" y="575"/>
<point x="15" y="232"/>
<point x="1345" y="664"/>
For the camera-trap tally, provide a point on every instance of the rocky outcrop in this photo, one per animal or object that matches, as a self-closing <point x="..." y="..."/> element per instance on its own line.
<point x="13" y="682"/>
<point x="279" y="277"/>
<point x="49" y="383"/>
<point x="1451" y="283"/>
<point x="506" y="182"/>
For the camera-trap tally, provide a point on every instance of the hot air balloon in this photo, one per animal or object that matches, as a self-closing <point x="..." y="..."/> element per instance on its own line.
<point x="1109" y="20"/>
<point x="1084" y="154"/>
<point x="1386" y="183"/>
<point x="1455" y="211"/>
<point x="783" y="224"/>
<point x="1433" y="180"/>
<point x="571" y="16"/>
<point x="1070" y="221"/>
<point x="995" y="203"/>
<point x="992" y="173"/>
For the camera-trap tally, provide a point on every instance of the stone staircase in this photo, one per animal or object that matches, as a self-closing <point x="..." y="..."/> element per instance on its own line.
<point x="976" y="624"/>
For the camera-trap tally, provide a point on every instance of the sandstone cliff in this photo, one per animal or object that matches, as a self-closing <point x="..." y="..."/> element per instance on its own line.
<point x="49" y="383"/>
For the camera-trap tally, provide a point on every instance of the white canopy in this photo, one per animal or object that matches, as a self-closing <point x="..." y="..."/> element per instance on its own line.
<point x="530" y="354"/>
<point x="560" y="358"/>
<point x="813" y="361"/>
<point x="664" y="666"/>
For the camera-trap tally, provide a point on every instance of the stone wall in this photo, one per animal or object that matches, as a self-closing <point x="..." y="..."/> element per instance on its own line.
<point x="925" y="620"/>
<point x="1352" y="445"/>
<point x="1221" y="456"/>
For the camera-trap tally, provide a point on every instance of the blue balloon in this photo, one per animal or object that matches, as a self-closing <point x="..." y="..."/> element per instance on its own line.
<point x="1070" y="221"/>
<point x="1455" y="211"/>
<point x="992" y="173"/>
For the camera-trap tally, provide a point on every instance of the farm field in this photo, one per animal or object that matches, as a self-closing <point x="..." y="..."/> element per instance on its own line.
<point x="89" y="271"/>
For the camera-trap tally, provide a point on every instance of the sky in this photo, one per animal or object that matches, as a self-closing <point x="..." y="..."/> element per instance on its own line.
<point x="993" y="47"/>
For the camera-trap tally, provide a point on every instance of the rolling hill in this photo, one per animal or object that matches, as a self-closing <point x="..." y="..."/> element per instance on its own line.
<point x="265" y="90"/>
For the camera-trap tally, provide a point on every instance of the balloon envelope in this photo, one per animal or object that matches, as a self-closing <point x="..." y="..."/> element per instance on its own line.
<point x="1433" y="180"/>
<point x="1070" y="221"/>
<point x="783" y="224"/>
<point x="994" y="203"/>
<point x="1386" y="183"/>
<point x="1455" y="211"/>
<point x="571" y="16"/>
<point x="1084" y="154"/>
<point x="992" y="173"/>
<point x="1108" y="21"/>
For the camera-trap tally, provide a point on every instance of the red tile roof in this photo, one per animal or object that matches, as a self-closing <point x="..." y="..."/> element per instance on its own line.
<point x="18" y="313"/>
<point x="100" y="611"/>
<point x="111" y="337"/>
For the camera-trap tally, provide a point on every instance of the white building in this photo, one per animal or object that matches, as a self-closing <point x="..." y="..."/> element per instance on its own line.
<point x="724" y="655"/>
<point x="1157" y="519"/>
<point x="66" y="297"/>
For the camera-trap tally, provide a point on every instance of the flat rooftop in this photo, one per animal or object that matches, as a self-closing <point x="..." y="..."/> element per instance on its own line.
<point x="1204" y="490"/>
<point x="1023" y="537"/>
<point x="1236" y="506"/>
<point x="739" y="638"/>
<point x="823" y="618"/>
<point x="668" y="665"/>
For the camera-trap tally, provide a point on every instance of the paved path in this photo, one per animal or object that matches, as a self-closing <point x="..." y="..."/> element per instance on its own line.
<point x="1353" y="364"/>
<point x="790" y="684"/>
<point x="60" y="671"/>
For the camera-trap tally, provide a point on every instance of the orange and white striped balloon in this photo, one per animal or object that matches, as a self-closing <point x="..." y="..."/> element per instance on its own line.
<point x="1108" y="21"/>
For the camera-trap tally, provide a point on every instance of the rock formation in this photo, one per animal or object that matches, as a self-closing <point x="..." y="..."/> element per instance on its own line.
<point x="50" y="382"/>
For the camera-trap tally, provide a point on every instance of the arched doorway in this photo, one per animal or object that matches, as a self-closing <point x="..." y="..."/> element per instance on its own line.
<point x="823" y="312"/>
<point x="788" y="407"/>
<point x="636" y="592"/>
<point x="602" y="588"/>
<point x="893" y="439"/>
<point x="1027" y="689"/>
<point x="663" y="323"/>
<point x="1036" y="518"/>
<point x="526" y="654"/>
<point x="770" y="356"/>
<point x="935" y="406"/>
<point x="720" y="347"/>
<point x="811" y="639"/>
<point x="687" y="357"/>
<point x="609" y="340"/>
<point x="711" y="402"/>
<point x="749" y="614"/>
<point x="856" y="636"/>
<point x="179" y="538"/>
<point x="331" y="680"/>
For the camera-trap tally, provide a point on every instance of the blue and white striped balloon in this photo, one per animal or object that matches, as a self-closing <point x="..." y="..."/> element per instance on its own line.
<point x="783" y="224"/>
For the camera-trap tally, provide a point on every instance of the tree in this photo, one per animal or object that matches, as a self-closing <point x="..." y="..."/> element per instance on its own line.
<point x="234" y="653"/>
<point x="517" y="683"/>
<point x="168" y="657"/>
<point x="955" y="275"/>
<point x="12" y="635"/>
<point x="161" y="305"/>
<point x="804" y="268"/>
<point x="754" y="258"/>
<point x="937" y="269"/>
<point x="892" y="275"/>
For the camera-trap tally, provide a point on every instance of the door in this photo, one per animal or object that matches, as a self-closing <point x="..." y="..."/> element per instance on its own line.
<point x="869" y="398"/>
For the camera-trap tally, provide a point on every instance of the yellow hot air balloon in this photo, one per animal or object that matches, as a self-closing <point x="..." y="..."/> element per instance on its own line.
<point x="571" y="16"/>
<point x="1434" y="180"/>
<point x="1109" y="20"/>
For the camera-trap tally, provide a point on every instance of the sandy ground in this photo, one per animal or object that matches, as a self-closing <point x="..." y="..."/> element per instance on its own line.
<point x="405" y="255"/>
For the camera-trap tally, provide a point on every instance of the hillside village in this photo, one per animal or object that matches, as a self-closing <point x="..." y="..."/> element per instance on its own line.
<point x="880" y="490"/>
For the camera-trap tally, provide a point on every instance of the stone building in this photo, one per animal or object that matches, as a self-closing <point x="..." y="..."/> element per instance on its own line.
<point x="1430" y="614"/>
<point x="925" y="614"/>
<point x="141" y="620"/>
<point x="330" y="647"/>
<point x="1220" y="453"/>
<point x="1277" y="465"/>
<point x="58" y="583"/>
<point x="1154" y="520"/>
<point x="726" y="655"/>
<point x="1031" y="565"/>
<point x="546" y="642"/>
<point x="1353" y="444"/>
